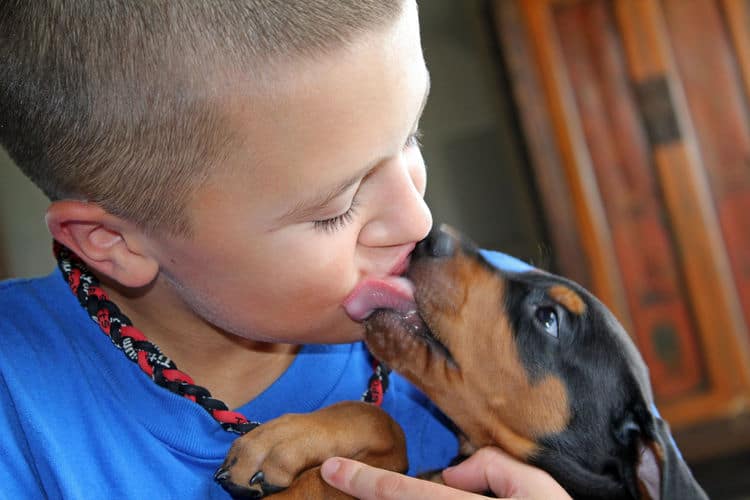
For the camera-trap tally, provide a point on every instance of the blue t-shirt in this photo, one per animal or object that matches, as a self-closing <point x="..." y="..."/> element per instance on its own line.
<point x="79" y="420"/>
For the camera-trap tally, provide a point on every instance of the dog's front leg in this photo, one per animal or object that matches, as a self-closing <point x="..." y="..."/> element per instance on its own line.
<point x="284" y="455"/>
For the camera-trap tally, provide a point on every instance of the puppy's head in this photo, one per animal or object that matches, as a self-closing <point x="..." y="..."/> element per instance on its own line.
<point x="530" y="362"/>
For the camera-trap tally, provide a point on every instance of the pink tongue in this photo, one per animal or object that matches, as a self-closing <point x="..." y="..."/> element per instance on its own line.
<point x="391" y="292"/>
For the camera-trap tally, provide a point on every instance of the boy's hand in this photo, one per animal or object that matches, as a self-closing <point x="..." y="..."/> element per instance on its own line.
<point x="491" y="469"/>
<point x="487" y="470"/>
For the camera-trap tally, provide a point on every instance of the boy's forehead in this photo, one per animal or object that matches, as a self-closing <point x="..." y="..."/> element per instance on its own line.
<point x="329" y="120"/>
<point x="289" y="72"/>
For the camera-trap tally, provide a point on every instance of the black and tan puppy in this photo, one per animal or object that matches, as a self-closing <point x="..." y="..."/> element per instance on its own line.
<point x="526" y="361"/>
<point x="534" y="364"/>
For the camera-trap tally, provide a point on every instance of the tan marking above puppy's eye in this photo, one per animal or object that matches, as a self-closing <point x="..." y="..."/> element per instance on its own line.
<point x="567" y="298"/>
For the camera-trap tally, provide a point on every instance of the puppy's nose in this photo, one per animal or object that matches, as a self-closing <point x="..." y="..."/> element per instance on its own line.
<point x="439" y="243"/>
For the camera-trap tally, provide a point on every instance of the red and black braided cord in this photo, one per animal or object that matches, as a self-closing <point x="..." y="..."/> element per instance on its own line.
<point x="159" y="367"/>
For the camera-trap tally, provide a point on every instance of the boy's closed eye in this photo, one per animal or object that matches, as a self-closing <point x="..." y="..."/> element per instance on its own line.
<point x="340" y="221"/>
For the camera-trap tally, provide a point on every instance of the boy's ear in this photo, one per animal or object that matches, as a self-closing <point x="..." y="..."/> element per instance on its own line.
<point x="108" y="244"/>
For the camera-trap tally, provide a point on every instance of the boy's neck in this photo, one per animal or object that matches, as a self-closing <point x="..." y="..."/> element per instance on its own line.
<point x="233" y="369"/>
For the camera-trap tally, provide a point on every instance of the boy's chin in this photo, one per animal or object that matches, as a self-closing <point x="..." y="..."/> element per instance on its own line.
<point x="343" y="331"/>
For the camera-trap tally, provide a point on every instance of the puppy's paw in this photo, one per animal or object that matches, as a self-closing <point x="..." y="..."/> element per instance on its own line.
<point x="267" y="459"/>
<point x="273" y="456"/>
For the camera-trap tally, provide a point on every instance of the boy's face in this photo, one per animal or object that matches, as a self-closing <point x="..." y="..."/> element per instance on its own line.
<point x="326" y="189"/>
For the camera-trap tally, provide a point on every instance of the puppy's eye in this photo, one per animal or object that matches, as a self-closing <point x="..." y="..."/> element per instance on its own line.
<point x="547" y="317"/>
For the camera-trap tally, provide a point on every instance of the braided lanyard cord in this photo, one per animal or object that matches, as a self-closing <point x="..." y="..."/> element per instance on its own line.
<point x="160" y="368"/>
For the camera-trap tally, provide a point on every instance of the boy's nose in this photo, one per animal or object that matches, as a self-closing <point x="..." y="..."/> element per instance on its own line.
<point x="405" y="218"/>
<point x="439" y="243"/>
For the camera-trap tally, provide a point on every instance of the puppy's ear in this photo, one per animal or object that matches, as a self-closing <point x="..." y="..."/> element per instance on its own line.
<point x="660" y="471"/>
<point x="649" y="469"/>
<point x="638" y="467"/>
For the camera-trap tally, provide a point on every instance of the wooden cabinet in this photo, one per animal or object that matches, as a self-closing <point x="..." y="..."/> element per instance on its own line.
<point x="636" y="118"/>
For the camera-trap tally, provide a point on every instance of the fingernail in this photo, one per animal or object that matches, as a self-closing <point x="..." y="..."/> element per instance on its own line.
<point x="329" y="467"/>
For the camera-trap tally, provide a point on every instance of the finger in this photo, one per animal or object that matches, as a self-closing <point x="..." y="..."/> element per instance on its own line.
<point x="370" y="483"/>
<point x="494" y="470"/>
<point x="487" y="469"/>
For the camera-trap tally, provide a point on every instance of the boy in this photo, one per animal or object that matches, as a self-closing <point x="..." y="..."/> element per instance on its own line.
<point x="229" y="172"/>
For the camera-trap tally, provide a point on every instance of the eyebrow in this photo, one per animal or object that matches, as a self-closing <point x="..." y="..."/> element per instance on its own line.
<point x="310" y="207"/>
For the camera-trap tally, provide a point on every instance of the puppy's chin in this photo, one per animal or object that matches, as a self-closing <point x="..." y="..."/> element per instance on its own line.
<point x="403" y="339"/>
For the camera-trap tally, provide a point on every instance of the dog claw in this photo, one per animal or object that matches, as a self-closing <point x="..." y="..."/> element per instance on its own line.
<point x="238" y="492"/>
<point x="221" y="475"/>
<point x="258" y="487"/>
<point x="259" y="481"/>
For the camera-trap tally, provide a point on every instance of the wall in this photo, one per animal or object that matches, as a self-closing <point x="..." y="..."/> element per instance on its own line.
<point x="25" y="244"/>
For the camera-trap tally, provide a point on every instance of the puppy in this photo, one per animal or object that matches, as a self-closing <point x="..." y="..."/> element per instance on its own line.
<point x="536" y="365"/>
<point x="520" y="359"/>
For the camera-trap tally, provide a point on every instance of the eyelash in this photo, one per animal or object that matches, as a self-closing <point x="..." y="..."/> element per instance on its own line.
<point x="414" y="139"/>
<point x="340" y="221"/>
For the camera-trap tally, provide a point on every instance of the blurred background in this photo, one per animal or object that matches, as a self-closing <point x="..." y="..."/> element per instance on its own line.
<point x="605" y="140"/>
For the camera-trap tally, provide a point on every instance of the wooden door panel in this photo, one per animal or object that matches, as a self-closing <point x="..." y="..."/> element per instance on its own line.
<point x="546" y="159"/>
<point x="649" y="126"/>
<point x="713" y="87"/>
<point x="620" y="155"/>
<point x="691" y="212"/>
<point x="583" y="196"/>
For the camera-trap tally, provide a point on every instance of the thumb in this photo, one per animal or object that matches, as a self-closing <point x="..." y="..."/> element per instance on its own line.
<point x="370" y="483"/>
<point x="491" y="469"/>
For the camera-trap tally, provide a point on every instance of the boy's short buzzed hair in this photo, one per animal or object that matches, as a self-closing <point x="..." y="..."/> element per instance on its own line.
<point x="109" y="101"/>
